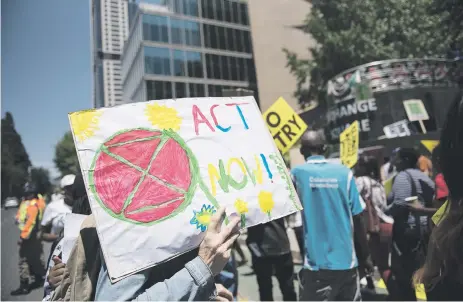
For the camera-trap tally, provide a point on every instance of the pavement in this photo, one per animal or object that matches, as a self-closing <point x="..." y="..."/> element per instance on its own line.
<point x="248" y="290"/>
<point x="9" y="248"/>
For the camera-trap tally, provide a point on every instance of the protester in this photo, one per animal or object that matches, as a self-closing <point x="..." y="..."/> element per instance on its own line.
<point x="294" y="222"/>
<point x="335" y="234"/>
<point x="379" y="225"/>
<point x="270" y="251"/>
<point x="53" y="219"/>
<point x="442" y="191"/>
<point x="442" y="273"/>
<point x="31" y="270"/>
<point x="387" y="169"/>
<point x="239" y="250"/>
<point x="410" y="205"/>
<point x="425" y="165"/>
<point x="76" y="194"/>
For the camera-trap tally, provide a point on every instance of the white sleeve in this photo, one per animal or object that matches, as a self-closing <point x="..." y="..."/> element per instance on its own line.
<point x="48" y="216"/>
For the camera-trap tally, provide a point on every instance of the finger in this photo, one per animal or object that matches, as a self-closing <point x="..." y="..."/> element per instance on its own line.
<point x="231" y="229"/>
<point x="216" y="220"/>
<point x="59" y="272"/>
<point x="57" y="260"/>
<point x="229" y="242"/>
<point x="59" y="265"/>
<point x="226" y="294"/>
<point x="219" y="298"/>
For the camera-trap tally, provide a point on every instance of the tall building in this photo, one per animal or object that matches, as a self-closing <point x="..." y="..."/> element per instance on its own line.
<point x="187" y="48"/>
<point x="109" y="31"/>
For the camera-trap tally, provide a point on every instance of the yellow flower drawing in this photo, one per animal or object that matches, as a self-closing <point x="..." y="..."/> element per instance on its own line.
<point x="84" y="123"/>
<point x="266" y="202"/>
<point x="241" y="206"/>
<point x="163" y="117"/>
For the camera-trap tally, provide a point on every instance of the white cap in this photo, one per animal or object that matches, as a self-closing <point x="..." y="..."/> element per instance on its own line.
<point x="67" y="180"/>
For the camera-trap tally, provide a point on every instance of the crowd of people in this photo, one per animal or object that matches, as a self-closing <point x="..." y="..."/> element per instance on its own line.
<point x="350" y="224"/>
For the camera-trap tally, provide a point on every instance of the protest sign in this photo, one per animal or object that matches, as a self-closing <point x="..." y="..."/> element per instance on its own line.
<point x="415" y="110"/>
<point x="349" y="145"/>
<point x="437" y="217"/>
<point x="430" y="144"/>
<point x="156" y="172"/>
<point x="285" y="125"/>
<point x="397" y="129"/>
<point x="72" y="224"/>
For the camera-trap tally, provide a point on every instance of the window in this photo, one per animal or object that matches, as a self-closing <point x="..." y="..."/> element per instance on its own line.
<point x="227" y="11"/>
<point x="196" y="90"/>
<point x="222" y="38"/>
<point x="207" y="9"/>
<point x="225" y="68"/>
<point x="244" y="13"/>
<point x="157" y="60"/>
<point x="219" y="10"/>
<point x="190" y="7"/>
<point x="231" y="33"/>
<point x="194" y="64"/>
<point x="178" y="7"/>
<point x="207" y="36"/>
<point x="247" y="42"/>
<point x="233" y="68"/>
<point x="216" y="67"/>
<point x="179" y="63"/>
<point x="155" y="28"/>
<point x="240" y="68"/>
<point x="158" y="90"/>
<point x="177" y="31"/>
<point x="235" y="12"/>
<point x="240" y="40"/>
<point x="192" y="36"/>
<point x="180" y="90"/>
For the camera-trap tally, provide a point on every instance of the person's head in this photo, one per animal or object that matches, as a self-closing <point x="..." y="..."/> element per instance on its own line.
<point x="312" y="143"/>
<point x="30" y="192"/>
<point x="445" y="250"/>
<point x="406" y="158"/>
<point x="66" y="184"/>
<point x="367" y="166"/>
<point x="79" y="195"/>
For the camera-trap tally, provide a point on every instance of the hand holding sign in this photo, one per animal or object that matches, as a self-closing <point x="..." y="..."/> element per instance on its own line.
<point x="349" y="145"/>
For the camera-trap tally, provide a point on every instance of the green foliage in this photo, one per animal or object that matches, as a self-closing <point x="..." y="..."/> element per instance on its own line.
<point x="15" y="160"/>
<point x="40" y="177"/>
<point x="65" y="155"/>
<point x="351" y="33"/>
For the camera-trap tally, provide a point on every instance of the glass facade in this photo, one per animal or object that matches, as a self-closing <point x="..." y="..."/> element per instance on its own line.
<point x="202" y="59"/>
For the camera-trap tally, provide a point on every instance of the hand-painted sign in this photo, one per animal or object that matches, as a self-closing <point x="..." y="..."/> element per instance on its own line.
<point x="285" y="124"/>
<point x="415" y="110"/>
<point x="349" y="141"/>
<point x="170" y="165"/>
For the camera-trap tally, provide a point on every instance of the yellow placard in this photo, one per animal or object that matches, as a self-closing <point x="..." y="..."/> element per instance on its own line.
<point x="349" y="141"/>
<point x="285" y="125"/>
<point x="430" y="144"/>
<point x="437" y="217"/>
<point x="388" y="185"/>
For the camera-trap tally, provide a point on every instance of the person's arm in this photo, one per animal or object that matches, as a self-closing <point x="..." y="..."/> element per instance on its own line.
<point x="417" y="208"/>
<point x="47" y="235"/>
<point x="357" y="206"/>
<point x="32" y="212"/>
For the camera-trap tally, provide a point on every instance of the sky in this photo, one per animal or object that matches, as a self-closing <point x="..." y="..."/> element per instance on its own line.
<point x="46" y="70"/>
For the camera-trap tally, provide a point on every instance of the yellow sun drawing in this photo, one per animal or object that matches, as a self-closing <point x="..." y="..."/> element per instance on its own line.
<point x="266" y="202"/>
<point x="84" y="123"/>
<point x="241" y="206"/>
<point x="163" y="117"/>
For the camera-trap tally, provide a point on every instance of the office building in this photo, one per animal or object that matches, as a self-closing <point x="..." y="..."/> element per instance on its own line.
<point x="187" y="48"/>
<point x="109" y="30"/>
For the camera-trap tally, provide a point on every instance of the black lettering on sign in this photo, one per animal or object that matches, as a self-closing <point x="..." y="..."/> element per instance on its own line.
<point x="293" y="121"/>
<point x="277" y="136"/>
<point x="288" y="132"/>
<point x="276" y="119"/>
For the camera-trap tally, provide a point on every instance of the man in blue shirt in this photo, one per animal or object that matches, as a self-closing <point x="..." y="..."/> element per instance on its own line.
<point x="334" y="233"/>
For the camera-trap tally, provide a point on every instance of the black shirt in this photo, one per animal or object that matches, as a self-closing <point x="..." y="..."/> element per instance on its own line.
<point x="268" y="239"/>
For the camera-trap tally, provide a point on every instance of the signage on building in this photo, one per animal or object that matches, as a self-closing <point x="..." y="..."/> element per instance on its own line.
<point x="349" y="145"/>
<point x="285" y="124"/>
<point x="341" y="115"/>
<point x="397" y="129"/>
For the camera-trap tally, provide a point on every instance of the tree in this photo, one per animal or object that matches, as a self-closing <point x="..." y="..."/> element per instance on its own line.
<point x="65" y="155"/>
<point x="40" y="177"/>
<point x="15" y="160"/>
<point x="350" y="33"/>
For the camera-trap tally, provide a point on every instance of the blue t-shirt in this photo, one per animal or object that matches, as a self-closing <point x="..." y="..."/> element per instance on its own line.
<point x="330" y="199"/>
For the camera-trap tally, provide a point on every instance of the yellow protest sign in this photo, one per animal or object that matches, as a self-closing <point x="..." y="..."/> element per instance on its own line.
<point x="388" y="185"/>
<point x="437" y="217"/>
<point x="430" y="144"/>
<point x="285" y="124"/>
<point x="349" y="141"/>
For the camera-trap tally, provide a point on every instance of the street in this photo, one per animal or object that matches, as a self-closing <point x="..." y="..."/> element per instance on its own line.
<point x="248" y="290"/>
<point x="10" y="276"/>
